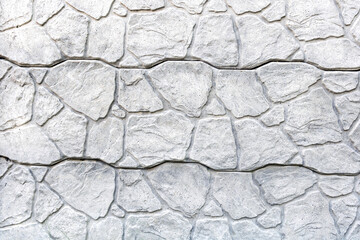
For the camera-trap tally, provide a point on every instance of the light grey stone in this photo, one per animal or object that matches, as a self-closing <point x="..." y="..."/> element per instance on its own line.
<point x="339" y="82"/>
<point x="354" y="136"/>
<point x="349" y="9"/>
<point x="215" y="108"/>
<point x="128" y="162"/>
<point x="345" y="210"/>
<point x="15" y="45"/>
<point x="105" y="140"/>
<point x="208" y="228"/>
<point x="216" y="6"/>
<point x="130" y="61"/>
<point x="38" y="74"/>
<point x="143" y="4"/>
<point x="134" y="194"/>
<point x="16" y="99"/>
<point x="5" y="66"/>
<point x="14" y="13"/>
<point x="45" y="9"/>
<point x="260" y="146"/>
<point x="274" y="117"/>
<point x="31" y="231"/>
<point x="334" y="158"/>
<point x="68" y="131"/>
<point x="116" y="111"/>
<point x="276" y="11"/>
<point x="262" y="42"/>
<point x="5" y="164"/>
<point x="131" y="76"/>
<point x="93" y="8"/>
<point x="241" y="93"/>
<point x="69" y="30"/>
<point x="192" y="6"/>
<point x="86" y="86"/>
<point x="67" y="224"/>
<point x="322" y="53"/>
<point x="311" y="119"/>
<point x="186" y="85"/>
<point x="214" y="144"/>
<point x="285" y="81"/>
<point x="335" y="186"/>
<point x="215" y="41"/>
<point x="117" y="211"/>
<point x="36" y="148"/>
<point x="245" y="200"/>
<point x="166" y="225"/>
<point x="248" y="230"/>
<point x="159" y="137"/>
<point x="355" y="31"/>
<point x="119" y="9"/>
<point x="271" y="218"/>
<point x="46" y="105"/>
<point x="47" y="202"/>
<point x="109" y="228"/>
<point x="212" y="209"/>
<point x="244" y="6"/>
<point x="348" y="106"/>
<point x="106" y="39"/>
<point x="283" y="184"/>
<point x="158" y="36"/>
<point x="38" y="172"/>
<point x="86" y="185"/>
<point x="183" y="186"/>
<point x="308" y="218"/>
<point x="17" y="189"/>
<point x="314" y="19"/>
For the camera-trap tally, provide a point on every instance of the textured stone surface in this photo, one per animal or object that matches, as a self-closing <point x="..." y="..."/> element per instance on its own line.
<point x="335" y="186"/>
<point x="110" y="228"/>
<point x="4" y="166"/>
<point x="216" y="6"/>
<point x="38" y="172"/>
<point x="212" y="209"/>
<point x="354" y="136"/>
<point x="192" y="6"/>
<point x="240" y="7"/>
<point x="348" y="106"/>
<point x="276" y="10"/>
<point x="271" y="218"/>
<point x="355" y="31"/>
<point x="30" y="231"/>
<point x="215" y="108"/>
<point x="94" y="8"/>
<point x="345" y="210"/>
<point x="248" y="230"/>
<point x="212" y="229"/>
<point x="37" y="74"/>
<point x="47" y="202"/>
<point x="4" y="68"/>
<point x="339" y="82"/>
<point x="45" y="9"/>
<point x="143" y="4"/>
<point x="14" y="13"/>
<point x="349" y="9"/>
<point x="274" y="117"/>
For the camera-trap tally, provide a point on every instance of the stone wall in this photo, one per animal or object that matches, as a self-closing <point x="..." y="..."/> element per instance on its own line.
<point x="179" y="119"/>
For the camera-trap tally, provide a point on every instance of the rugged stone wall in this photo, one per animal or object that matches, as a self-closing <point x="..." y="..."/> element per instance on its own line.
<point x="179" y="119"/>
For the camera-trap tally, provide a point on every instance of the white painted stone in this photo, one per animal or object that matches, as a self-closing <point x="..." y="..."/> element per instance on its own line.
<point x="186" y="85"/>
<point x="354" y="136"/>
<point x="14" y="13"/>
<point x="248" y="230"/>
<point x="215" y="41"/>
<point x="354" y="232"/>
<point x="216" y="6"/>
<point x="119" y="9"/>
<point x="285" y="81"/>
<point x="45" y="9"/>
<point x="209" y="228"/>
<point x="143" y="4"/>
<point x="5" y="164"/>
<point x="183" y="186"/>
<point x="212" y="209"/>
<point x="244" y="6"/>
<point x="159" y="137"/>
<point x="262" y="42"/>
<point x="271" y="218"/>
<point x="260" y="146"/>
<point x="16" y="99"/>
<point x="130" y="61"/>
<point x="109" y="228"/>
<point x="86" y="86"/>
<point x="106" y="39"/>
<point x="348" y="106"/>
<point x="5" y="66"/>
<point x="131" y="76"/>
<point x="158" y="36"/>
<point x="335" y="186"/>
<point x="117" y="211"/>
<point x="276" y="10"/>
<point x="345" y="210"/>
<point x="349" y="9"/>
<point x="38" y="74"/>
<point x="192" y="6"/>
<point x="93" y="8"/>
<point x="38" y="172"/>
<point x="283" y="184"/>
<point x="355" y="30"/>
<point x="69" y="30"/>
<point x="117" y="112"/>
<point x="311" y="119"/>
<point x="339" y="82"/>
<point x="86" y="185"/>
<point x="17" y="189"/>
<point x="128" y="162"/>
<point x="68" y="131"/>
<point x="245" y="200"/>
<point x="47" y="202"/>
<point x="274" y="117"/>
<point x="31" y="231"/>
<point x="215" y="108"/>
<point x="134" y="194"/>
<point x="105" y="140"/>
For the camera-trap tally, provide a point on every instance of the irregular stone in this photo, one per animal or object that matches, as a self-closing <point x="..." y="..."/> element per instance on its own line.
<point x="5" y="164"/>
<point x="354" y="136"/>
<point x="349" y="9"/>
<point x="322" y="53"/>
<point x="106" y="39"/>
<point x="276" y="11"/>
<point x="335" y="186"/>
<point x="154" y="37"/>
<point x="183" y="186"/>
<point x="45" y="9"/>
<point x="67" y="224"/>
<point x="244" y="6"/>
<point x="192" y="6"/>
<point x="69" y="30"/>
<point x="105" y="140"/>
<point x="214" y="108"/>
<point x="274" y="117"/>
<point x="308" y="218"/>
<point x="110" y="228"/>
<point x="68" y="131"/>
<point x="93" y="8"/>
<point x="88" y="87"/>
<point x="117" y="112"/>
<point x="38" y="74"/>
<point x="131" y="76"/>
<point x="271" y="218"/>
<point x="119" y="9"/>
<point x="215" y="41"/>
<point x="129" y="60"/>
<point x="128" y="162"/>
<point x="17" y="189"/>
<point x="262" y="42"/>
<point x="260" y="146"/>
<point x="245" y="200"/>
<point x="285" y="81"/>
<point x="14" y="13"/>
<point x="247" y="230"/>
<point x="134" y="194"/>
<point x="334" y="158"/>
<point x="339" y="82"/>
<point x="296" y="160"/>
<point x="117" y="211"/>
<point x="38" y="172"/>
<point x="15" y="45"/>
<point x="345" y="209"/>
<point x="212" y="209"/>
<point x="311" y="119"/>
<point x="186" y="85"/>
<point x="216" y="6"/>
<point x="36" y="148"/>
<point x="143" y="4"/>
<point x="212" y="229"/>
<point x="46" y="105"/>
<point x="298" y="56"/>
<point x="241" y="93"/>
<point x="158" y="137"/>
<point x="47" y="202"/>
<point x="355" y="31"/>
<point x="5" y="66"/>
<point x="284" y="183"/>
<point x="348" y="106"/>
<point x="16" y="99"/>
<point x="166" y="225"/>
<point x="86" y="185"/>
<point x="31" y="231"/>
<point x="214" y="144"/>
